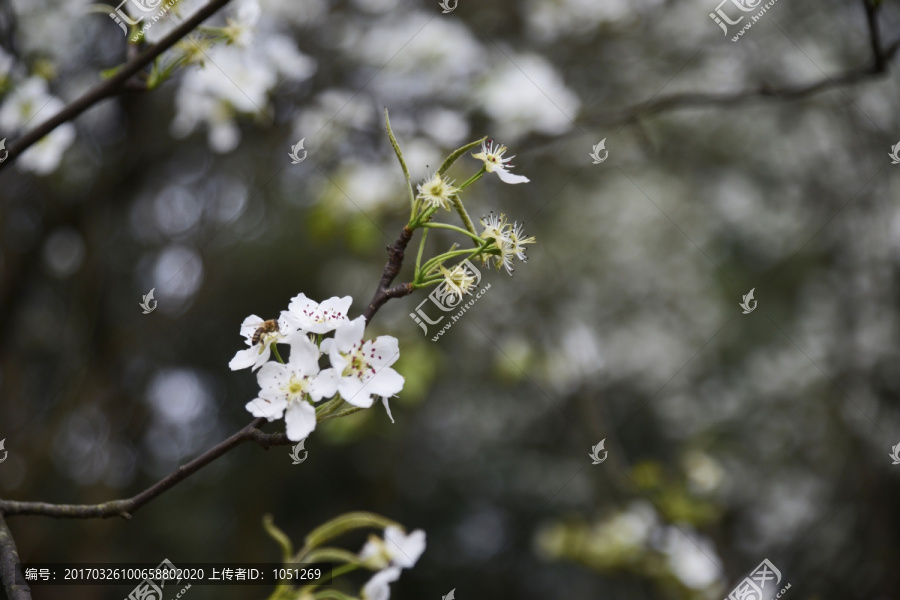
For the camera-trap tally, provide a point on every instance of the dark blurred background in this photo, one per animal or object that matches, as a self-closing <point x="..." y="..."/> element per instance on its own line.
<point x="731" y="437"/>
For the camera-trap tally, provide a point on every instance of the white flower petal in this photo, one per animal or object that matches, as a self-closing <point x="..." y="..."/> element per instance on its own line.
<point x="300" y="419"/>
<point x="371" y="553"/>
<point x="383" y="352"/>
<point x="304" y="355"/>
<point x="385" y="382"/>
<point x="243" y="359"/>
<point x="223" y="137"/>
<point x="261" y="357"/>
<point x="269" y="409"/>
<point x="388" y="409"/>
<point x="378" y="587"/>
<point x="325" y="384"/>
<point x="349" y="334"/>
<point x="352" y="390"/>
<point x="404" y="549"/>
<point x="507" y="177"/>
<point x="250" y="325"/>
<point x="272" y="377"/>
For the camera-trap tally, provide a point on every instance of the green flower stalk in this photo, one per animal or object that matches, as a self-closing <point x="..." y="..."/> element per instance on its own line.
<point x="387" y="555"/>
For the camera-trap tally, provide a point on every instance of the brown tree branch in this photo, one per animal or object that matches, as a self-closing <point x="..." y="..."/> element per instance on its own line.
<point x="9" y="556"/>
<point x="251" y="432"/>
<point x="396" y="252"/>
<point x="384" y="292"/>
<point x="881" y="59"/>
<point x="112" y="86"/>
<point x="126" y="507"/>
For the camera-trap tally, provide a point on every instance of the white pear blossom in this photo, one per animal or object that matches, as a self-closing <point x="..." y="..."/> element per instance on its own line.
<point x="458" y="281"/>
<point x="509" y="240"/>
<point x="492" y="156"/>
<point x="288" y="389"/>
<point x="282" y="54"/>
<point x="235" y="81"/>
<point x="171" y="18"/>
<point x="29" y="104"/>
<point x="242" y="26"/>
<point x="361" y="368"/>
<point x="258" y="354"/>
<point x="310" y="316"/>
<point x="378" y="587"/>
<point x="7" y="63"/>
<point x="436" y="192"/>
<point x="397" y="549"/>
<point x="517" y="240"/>
<point x="494" y="227"/>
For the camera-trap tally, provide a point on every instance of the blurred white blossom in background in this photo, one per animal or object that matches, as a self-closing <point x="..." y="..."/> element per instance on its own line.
<point x="19" y="112"/>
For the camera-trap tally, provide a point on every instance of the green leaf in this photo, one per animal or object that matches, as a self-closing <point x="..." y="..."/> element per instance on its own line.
<point x="344" y="523"/>
<point x="331" y="555"/>
<point x="110" y="72"/>
<point x="280" y="537"/>
<point x="333" y="595"/>
<point x="457" y="153"/>
<point x="399" y="153"/>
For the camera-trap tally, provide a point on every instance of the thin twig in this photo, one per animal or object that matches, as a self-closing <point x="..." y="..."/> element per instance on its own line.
<point x="878" y="68"/>
<point x="112" y="86"/>
<point x="251" y="432"/>
<point x="9" y="556"/>
<point x="880" y="61"/>
<point x="127" y="507"/>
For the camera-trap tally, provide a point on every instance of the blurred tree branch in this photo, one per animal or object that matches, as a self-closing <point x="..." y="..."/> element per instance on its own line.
<point x="125" y="508"/>
<point x="121" y="81"/>
<point x="878" y="67"/>
<point x="114" y="85"/>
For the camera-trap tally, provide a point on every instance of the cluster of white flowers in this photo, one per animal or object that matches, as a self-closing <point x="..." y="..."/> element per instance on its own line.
<point x="509" y="239"/>
<point x="360" y="369"/>
<point x="500" y="242"/>
<point x="235" y="78"/>
<point x="19" y="111"/>
<point x="396" y="552"/>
